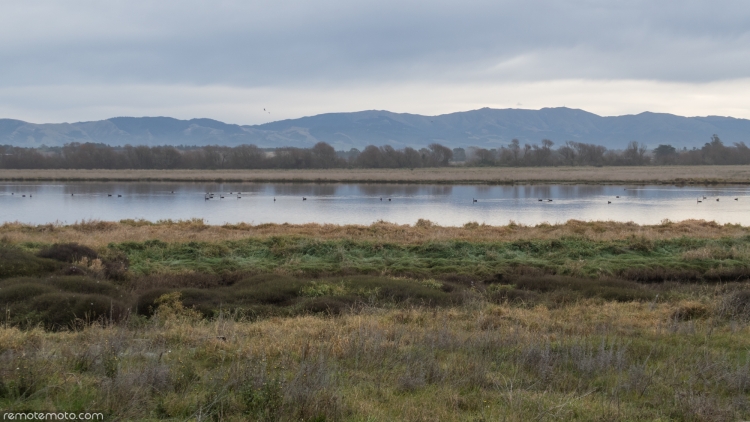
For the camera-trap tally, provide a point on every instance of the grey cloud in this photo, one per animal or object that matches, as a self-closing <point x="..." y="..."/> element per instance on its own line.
<point x="264" y="43"/>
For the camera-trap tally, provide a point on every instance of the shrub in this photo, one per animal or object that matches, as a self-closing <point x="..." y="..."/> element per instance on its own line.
<point x="68" y="252"/>
<point x="77" y="284"/>
<point x="329" y="305"/>
<point x="17" y="263"/>
<point x="146" y="302"/>
<point x="22" y="292"/>
<point x="268" y="290"/>
<point x="65" y="310"/>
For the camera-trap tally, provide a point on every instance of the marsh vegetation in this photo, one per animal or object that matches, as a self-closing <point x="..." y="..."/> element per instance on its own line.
<point x="676" y="174"/>
<point x="181" y="320"/>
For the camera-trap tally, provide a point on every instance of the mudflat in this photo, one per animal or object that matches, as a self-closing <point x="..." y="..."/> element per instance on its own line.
<point x="444" y="175"/>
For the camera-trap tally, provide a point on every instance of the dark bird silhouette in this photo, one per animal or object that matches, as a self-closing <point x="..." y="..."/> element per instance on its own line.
<point x="119" y="196"/>
<point x="221" y="197"/>
<point x="549" y="200"/>
<point x="717" y="199"/>
<point x="12" y="193"/>
<point x="474" y="199"/>
<point x="617" y="196"/>
<point x="736" y="199"/>
<point x="172" y="192"/>
<point x="71" y="194"/>
<point x="109" y="194"/>
<point x="274" y="199"/>
<point x="389" y="199"/>
<point x="540" y="200"/>
<point x="609" y="202"/>
<point x="699" y="200"/>
<point x="238" y="197"/>
<point x="381" y="198"/>
<point x="304" y="199"/>
<point x="30" y="195"/>
<point x="23" y="196"/>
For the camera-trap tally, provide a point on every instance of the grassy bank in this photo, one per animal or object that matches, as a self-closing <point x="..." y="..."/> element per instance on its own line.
<point x="445" y="175"/>
<point x="180" y="320"/>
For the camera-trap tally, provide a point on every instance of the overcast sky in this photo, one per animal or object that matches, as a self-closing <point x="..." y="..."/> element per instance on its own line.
<point x="78" y="60"/>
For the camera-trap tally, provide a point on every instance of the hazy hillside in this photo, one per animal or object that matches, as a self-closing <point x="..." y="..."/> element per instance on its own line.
<point x="485" y="127"/>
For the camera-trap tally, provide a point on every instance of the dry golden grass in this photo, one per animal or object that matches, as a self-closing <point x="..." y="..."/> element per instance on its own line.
<point x="374" y="348"/>
<point x="449" y="175"/>
<point x="100" y="233"/>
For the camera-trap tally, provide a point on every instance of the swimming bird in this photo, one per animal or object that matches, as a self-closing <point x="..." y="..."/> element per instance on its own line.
<point x="699" y="200"/>
<point x="617" y="196"/>
<point x="717" y="199"/>
<point x="71" y="194"/>
<point x="119" y="196"/>
<point x="172" y="192"/>
<point x="238" y="197"/>
<point x="609" y="202"/>
<point x="474" y="199"/>
<point x="736" y="199"/>
<point x="549" y="200"/>
<point x="381" y="198"/>
<point x="274" y="199"/>
<point x="24" y="196"/>
<point x="389" y="199"/>
<point x="220" y="196"/>
<point x="304" y="199"/>
<point x="540" y="199"/>
<point x="109" y="194"/>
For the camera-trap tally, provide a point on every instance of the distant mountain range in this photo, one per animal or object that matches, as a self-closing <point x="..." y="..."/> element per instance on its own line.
<point x="487" y="128"/>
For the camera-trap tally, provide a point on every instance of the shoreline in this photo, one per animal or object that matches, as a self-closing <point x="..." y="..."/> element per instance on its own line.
<point x="646" y="175"/>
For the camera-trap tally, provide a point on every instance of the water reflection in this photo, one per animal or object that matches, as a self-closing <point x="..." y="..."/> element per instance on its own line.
<point x="361" y="203"/>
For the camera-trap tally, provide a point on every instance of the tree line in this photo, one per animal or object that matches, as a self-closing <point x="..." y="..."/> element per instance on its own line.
<point x="322" y="155"/>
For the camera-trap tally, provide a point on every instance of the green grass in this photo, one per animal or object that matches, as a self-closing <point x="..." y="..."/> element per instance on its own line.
<point x="635" y="258"/>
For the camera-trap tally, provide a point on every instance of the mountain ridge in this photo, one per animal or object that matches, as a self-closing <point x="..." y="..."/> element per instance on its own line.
<point x="485" y="127"/>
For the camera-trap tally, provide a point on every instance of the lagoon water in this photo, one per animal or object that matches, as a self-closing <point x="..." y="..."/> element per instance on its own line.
<point x="361" y="204"/>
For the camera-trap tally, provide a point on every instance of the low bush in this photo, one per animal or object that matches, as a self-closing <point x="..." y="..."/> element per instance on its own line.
<point x="68" y="252"/>
<point x="17" y="263"/>
<point x="57" y="310"/>
<point x="275" y="290"/>
<point x="22" y="291"/>
<point x="609" y="289"/>
<point x="78" y="284"/>
<point x="61" y="302"/>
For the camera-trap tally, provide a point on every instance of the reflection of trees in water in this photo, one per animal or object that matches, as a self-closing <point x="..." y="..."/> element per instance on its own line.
<point x="403" y="190"/>
<point x="311" y="189"/>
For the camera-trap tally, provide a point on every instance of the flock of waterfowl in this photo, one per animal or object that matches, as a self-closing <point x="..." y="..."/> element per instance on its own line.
<point x="238" y="195"/>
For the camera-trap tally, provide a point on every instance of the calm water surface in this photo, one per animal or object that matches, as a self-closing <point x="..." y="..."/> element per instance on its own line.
<point x="361" y="204"/>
